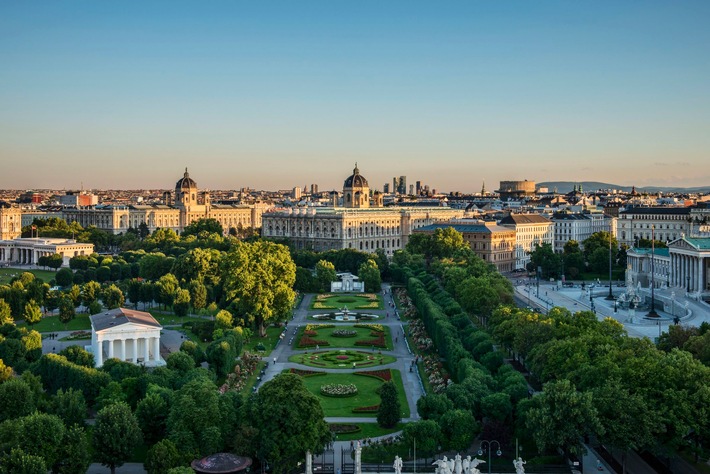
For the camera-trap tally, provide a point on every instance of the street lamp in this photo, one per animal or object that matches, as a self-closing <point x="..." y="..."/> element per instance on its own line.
<point x="610" y="296"/>
<point x="653" y="313"/>
<point x="489" y="447"/>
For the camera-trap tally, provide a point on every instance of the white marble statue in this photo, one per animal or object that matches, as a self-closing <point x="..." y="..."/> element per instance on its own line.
<point x="474" y="465"/>
<point x="466" y="464"/>
<point x="519" y="464"/>
<point x="443" y="466"/>
<point x="457" y="464"/>
<point x="397" y="465"/>
<point x="450" y="466"/>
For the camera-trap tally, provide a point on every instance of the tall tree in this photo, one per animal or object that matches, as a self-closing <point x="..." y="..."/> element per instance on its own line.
<point x="370" y="275"/>
<point x="112" y="297"/>
<point x="258" y="279"/>
<point x="181" y="304"/>
<point x="290" y="420"/>
<point x="66" y="310"/>
<point x="5" y="313"/>
<point x="32" y="314"/>
<point x="325" y="274"/>
<point x="390" y="412"/>
<point x="116" y="435"/>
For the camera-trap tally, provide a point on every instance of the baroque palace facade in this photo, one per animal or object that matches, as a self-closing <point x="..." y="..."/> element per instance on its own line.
<point x="361" y="223"/>
<point x="188" y="205"/>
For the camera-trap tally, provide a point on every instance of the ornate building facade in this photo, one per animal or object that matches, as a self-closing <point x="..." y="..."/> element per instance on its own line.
<point x="493" y="243"/>
<point x="361" y="223"/>
<point x="10" y="221"/>
<point x="187" y="206"/>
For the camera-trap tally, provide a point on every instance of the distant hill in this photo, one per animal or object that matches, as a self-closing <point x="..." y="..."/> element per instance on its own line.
<point x="568" y="186"/>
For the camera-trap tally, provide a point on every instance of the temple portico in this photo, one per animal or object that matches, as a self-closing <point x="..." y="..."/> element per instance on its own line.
<point x="28" y="251"/>
<point x="127" y="335"/>
<point x="690" y="264"/>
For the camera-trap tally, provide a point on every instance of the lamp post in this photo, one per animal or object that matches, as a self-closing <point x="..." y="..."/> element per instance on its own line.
<point x="653" y="313"/>
<point x="610" y="296"/>
<point x="489" y="447"/>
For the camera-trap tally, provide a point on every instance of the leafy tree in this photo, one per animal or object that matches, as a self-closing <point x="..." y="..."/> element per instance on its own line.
<point x="390" y="412"/>
<point x="224" y="320"/>
<point x="64" y="277"/>
<point x="195" y="409"/>
<point x="497" y="406"/>
<point x="75" y="456"/>
<point x="67" y="311"/>
<point x="211" y="226"/>
<point x="32" y="314"/>
<point x="95" y="308"/>
<point x="198" y="294"/>
<point x="221" y="353"/>
<point x="154" y="265"/>
<point x="458" y="428"/>
<point x="74" y="294"/>
<point x="70" y="406"/>
<point x="432" y="406"/>
<point x="258" y="279"/>
<point x="152" y="414"/>
<point x="38" y="436"/>
<point x="426" y="434"/>
<point x="290" y="420"/>
<point x="544" y="257"/>
<point x="16" y="399"/>
<point x="168" y="287"/>
<point x="112" y="297"/>
<point x="325" y="274"/>
<point x="370" y="275"/>
<point x="161" y="457"/>
<point x="78" y="355"/>
<point x="181" y="304"/>
<point x="5" y="372"/>
<point x="5" y="313"/>
<point x="133" y="291"/>
<point x="19" y="462"/>
<point x="561" y="417"/>
<point x="116" y="434"/>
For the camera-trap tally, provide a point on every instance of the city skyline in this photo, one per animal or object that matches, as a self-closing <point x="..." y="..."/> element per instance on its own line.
<point x="273" y="96"/>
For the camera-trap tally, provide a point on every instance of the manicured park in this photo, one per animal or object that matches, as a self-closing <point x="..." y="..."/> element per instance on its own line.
<point x="363" y="336"/>
<point x="329" y="301"/>
<point x="357" y="405"/>
<point x="342" y="359"/>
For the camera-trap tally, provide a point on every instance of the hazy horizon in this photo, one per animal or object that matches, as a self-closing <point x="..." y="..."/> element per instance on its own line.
<point x="283" y="94"/>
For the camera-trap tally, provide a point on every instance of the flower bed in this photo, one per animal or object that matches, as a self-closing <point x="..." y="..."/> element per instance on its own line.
<point x="370" y="409"/>
<point x="343" y="428"/>
<point x="419" y="336"/>
<point x="316" y="327"/>
<point x="306" y="373"/>
<point x="434" y="369"/>
<point x="344" y="333"/>
<point x="338" y="390"/>
<point x="307" y="341"/>
<point x="385" y="374"/>
<point x="378" y="342"/>
<point x="78" y="335"/>
<point x="246" y="365"/>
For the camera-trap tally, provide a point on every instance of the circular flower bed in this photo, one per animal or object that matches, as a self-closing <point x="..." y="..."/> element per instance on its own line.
<point x="342" y="357"/>
<point x="344" y="333"/>
<point x="338" y="390"/>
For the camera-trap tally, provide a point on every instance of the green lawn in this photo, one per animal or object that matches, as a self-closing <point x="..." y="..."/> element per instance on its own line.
<point x="353" y="301"/>
<point x="7" y="274"/>
<point x="52" y="324"/>
<point x="363" y="358"/>
<point x="325" y="334"/>
<point x="369" y="430"/>
<point x="170" y="319"/>
<point x="367" y="396"/>
<point x="269" y="342"/>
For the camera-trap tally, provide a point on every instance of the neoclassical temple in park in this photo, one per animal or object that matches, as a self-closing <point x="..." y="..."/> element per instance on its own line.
<point x="27" y="251"/>
<point x="128" y="335"/>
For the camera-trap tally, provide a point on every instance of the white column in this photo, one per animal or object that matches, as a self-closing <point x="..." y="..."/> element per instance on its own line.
<point x="123" y="349"/>
<point x="156" y="348"/>
<point x="99" y="351"/>
<point x="146" y="353"/>
<point x="135" y="350"/>
<point x="110" y="348"/>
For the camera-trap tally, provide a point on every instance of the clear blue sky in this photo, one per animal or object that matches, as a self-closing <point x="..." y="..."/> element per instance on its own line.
<point x="274" y="95"/>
